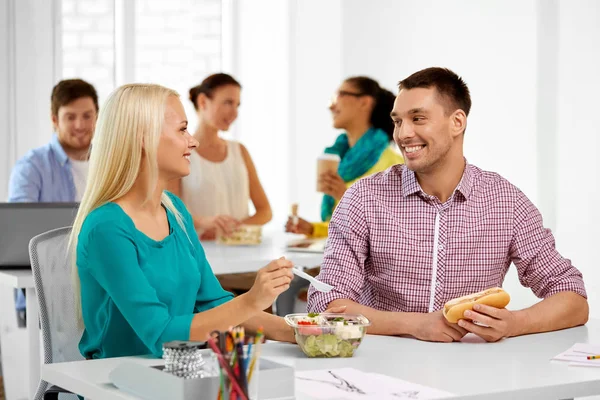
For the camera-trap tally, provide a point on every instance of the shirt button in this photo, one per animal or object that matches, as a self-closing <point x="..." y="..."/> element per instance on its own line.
<point x="437" y="284"/>
<point x="441" y="247"/>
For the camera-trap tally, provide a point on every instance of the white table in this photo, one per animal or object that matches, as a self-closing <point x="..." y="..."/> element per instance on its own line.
<point x="226" y="259"/>
<point x="23" y="279"/>
<point x="516" y="368"/>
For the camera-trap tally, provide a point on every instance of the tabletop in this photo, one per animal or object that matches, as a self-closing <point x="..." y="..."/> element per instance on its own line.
<point x="226" y="259"/>
<point x="516" y="368"/>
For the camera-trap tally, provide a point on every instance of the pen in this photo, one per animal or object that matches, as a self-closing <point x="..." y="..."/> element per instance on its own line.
<point x="596" y="357"/>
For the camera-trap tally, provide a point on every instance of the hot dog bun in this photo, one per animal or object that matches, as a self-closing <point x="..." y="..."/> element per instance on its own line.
<point x="494" y="297"/>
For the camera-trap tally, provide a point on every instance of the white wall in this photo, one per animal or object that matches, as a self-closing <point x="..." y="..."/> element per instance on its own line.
<point x="480" y="40"/>
<point x="262" y="65"/>
<point x="5" y="95"/>
<point x="34" y="30"/>
<point x="26" y="81"/>
<point x="578" y="172"/>
<point x="317" y="63"/>
<point x="289" y="63"/>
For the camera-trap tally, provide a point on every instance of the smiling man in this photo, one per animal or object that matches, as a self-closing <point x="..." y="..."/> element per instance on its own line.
<point x="57" y="171"/>
<point x="405" y="241"/>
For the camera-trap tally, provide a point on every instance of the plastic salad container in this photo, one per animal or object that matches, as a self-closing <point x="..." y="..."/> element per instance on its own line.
<point x="328" y="334"/>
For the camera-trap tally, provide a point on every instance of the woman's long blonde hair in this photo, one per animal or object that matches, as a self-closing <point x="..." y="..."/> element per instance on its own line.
<point x="129" y="124"/>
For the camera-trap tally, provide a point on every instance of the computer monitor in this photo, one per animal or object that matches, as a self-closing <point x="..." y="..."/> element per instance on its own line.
<point x="20" y="222"/>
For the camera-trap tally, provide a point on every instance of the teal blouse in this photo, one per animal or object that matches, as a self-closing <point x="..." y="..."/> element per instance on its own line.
<point x="137" y="293"/>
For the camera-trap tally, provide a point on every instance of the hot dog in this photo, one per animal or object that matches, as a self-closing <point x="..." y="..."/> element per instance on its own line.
<point x="494" y="297"/>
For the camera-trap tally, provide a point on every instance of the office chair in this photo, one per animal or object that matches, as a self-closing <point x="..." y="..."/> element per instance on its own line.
<point x="51" y="266"/>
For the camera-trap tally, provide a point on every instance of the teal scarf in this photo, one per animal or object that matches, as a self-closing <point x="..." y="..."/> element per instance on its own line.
<point x="356" y="160"/>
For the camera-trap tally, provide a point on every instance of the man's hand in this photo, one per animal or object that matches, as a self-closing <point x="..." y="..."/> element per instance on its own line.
<point x="433" y="327"/>
<point x="336" y="309"/>
<point x="499" y="322"/>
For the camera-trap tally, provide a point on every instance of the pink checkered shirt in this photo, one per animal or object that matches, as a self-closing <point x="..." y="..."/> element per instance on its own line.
<point x="392" y="247"/>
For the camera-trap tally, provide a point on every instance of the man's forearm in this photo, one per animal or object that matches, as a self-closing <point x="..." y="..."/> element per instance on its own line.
<point x="382" y="322"/>
<point x="559" y="311"/>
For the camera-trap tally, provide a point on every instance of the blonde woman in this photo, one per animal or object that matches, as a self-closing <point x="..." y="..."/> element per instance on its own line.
<point x="139" y="269"/>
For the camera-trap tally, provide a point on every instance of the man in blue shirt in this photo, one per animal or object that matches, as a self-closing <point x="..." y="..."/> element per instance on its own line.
<point x="57" y="171"/>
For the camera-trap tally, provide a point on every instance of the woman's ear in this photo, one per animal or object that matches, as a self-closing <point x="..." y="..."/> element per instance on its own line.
<point x="367" y="102"/>
<point x="201" y="101"/>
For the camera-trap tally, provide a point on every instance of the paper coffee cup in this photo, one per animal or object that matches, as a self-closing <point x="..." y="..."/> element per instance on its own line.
<point x="326" y="163"/>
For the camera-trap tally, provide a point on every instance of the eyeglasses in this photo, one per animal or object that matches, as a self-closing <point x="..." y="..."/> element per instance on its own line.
<point x="341" y="93"/>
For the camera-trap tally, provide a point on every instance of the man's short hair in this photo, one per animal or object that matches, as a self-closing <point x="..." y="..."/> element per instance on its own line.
<point x="69" y="90"/>
<point x="450" y="87"/>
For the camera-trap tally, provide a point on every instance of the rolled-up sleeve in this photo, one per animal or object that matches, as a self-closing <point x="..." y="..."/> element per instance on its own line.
<point x="320" y="229"/>
<point x="345" y="253"/>
<point x="539" y="265"/>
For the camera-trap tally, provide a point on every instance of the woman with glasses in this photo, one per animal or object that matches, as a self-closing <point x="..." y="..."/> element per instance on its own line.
<point x="361" y="108"/>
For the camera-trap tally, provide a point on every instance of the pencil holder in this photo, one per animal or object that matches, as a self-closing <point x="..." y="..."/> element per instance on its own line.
<point x="248" y="384"/>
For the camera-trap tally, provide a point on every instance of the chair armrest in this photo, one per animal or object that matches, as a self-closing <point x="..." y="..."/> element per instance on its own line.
<point x="52" y="392"/>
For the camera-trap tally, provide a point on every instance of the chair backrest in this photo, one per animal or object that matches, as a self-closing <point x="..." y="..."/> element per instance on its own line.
<point x="51" y="266"/>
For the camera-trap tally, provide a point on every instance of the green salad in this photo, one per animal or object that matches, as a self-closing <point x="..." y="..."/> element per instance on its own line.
<point x="328" y="335"/>
<point x="327" y="345"/>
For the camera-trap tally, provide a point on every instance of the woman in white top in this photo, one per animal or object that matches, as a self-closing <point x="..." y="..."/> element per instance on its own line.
<point x="223" y="178"/>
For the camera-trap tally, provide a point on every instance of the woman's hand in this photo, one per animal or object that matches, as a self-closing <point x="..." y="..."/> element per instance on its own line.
<point x="304" y="227"/>
<point x="222" y="224"/>
<point x="270" y="282"/>
<point x="332" y="185"/>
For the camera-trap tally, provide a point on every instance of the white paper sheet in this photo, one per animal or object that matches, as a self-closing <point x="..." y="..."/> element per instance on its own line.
<point x="589" y="349"/>
<point x="586" y="363"/>
<point x="352" y="384"/>
<point x="577" y="355"/>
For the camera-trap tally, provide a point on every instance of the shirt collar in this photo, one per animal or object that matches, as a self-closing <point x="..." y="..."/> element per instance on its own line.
<point x="410" y="185"/>
<point x="409" y="182"/>
<point x="58" y="150"/>
<point x="465" y="186"/>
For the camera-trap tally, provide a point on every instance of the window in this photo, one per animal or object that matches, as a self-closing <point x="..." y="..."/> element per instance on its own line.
<point x="174" y="43"/>
<point x="88" y="43"/>
<point x="177" y="44"/>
